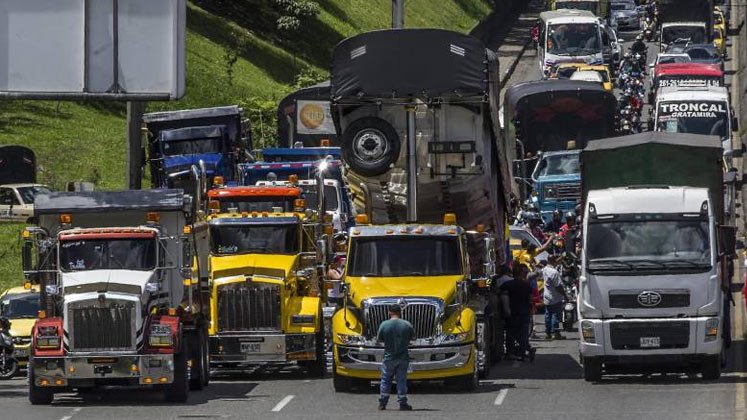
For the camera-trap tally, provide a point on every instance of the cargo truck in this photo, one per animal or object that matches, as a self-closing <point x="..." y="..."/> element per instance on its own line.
<point x="685" y="21"/>
<point x="121" y="304"/>
<point x="655" y="283"/>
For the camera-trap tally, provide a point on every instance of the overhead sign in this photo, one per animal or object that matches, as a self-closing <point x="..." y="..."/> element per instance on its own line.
<point x="314" y="117"/>
<point x="103" y="49"/>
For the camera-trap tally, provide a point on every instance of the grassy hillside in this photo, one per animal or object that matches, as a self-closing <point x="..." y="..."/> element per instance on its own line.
<point x="86" y="141"/>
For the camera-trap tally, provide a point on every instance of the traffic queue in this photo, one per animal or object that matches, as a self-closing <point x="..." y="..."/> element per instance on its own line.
<point x="394" y="187"/>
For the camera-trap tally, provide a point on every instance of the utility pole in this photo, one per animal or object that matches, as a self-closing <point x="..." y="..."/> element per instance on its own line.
<point x="135" y="162"/>
<point x="398" y="14"/>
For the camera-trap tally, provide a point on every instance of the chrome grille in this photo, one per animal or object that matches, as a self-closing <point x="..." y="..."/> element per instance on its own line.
<point x="248" y="307"/>
<point x="567" y="191"/>
<point x="422" y="316"/>
<point x="98" y="328"/>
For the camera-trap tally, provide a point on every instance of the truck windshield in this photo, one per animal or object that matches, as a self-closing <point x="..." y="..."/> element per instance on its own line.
<point x="192" y="146"/>
<point x="108" y="254"/>
<point x="401" y="257"/>
<point x="574" y="39"/>
<point x="683" y="34"/>
<point x="250" y="204"/>
<point x="694" y="117"/>
<point x="590" y="6"/>
<point x="653" y="242"/>
<point x="311" y="197"/>
<point x="555" y="165"/>
<point x="234" y="239"/>
<point x="28" y="194"/>
<point x="20" y="305"/>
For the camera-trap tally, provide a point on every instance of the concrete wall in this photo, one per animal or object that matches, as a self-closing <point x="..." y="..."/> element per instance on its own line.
<point x="739" y="31"/>
<point x="492" y="27"/>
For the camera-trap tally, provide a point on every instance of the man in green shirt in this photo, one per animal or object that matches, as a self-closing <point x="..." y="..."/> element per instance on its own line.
<point x="396" y="334"/>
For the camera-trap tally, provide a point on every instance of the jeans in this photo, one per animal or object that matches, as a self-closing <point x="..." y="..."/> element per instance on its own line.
<point x="396" y="369"/>
<point x="552" y="317"/>
<point x="517" y="340"/>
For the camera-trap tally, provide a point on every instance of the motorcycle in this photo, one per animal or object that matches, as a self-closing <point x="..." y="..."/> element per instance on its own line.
<point x="8" y="362"/>
<point x="648" y="29"/>
<point x="569" y="274"/>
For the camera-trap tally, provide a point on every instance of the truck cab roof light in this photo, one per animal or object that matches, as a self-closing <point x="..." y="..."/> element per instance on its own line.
<point x="218" y="181"/>
<point x="214" y="205"/>
<point x="450" y="219"/>
<point x="324" y="143"/>
<point x="299" y="204"/>
<point x="66" y="219"/>
<point x="186" y="230"/>
<point x="361" y="219"/>
<point x="153" y="217"/>
<point x="293" y="179"/>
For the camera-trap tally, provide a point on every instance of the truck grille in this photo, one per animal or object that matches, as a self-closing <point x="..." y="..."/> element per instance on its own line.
<point x="422" y="316"/>
<point x="627" y="335"/>
<point x="249" y="307"/>
<point x="566" y="191"/>
<point x="95" y="328"/>
<point x="628" y="299"/>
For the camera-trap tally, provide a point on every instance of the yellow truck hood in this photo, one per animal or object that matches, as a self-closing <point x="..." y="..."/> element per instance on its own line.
<point x="442" y="287"/>
<point x="21" y="327"/>
<point x="253" y="264"/>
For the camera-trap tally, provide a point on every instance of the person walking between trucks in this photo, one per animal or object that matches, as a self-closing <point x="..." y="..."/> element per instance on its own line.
<point x="396" y="334"/>
<point x="553" y="298"/>
<point x="520" y="302"/>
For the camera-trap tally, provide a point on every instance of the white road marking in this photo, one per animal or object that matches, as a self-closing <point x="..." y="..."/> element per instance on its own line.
<point x="75" y="410"/>
<point x="500" y="397"/>
<point x="283" y="403"/>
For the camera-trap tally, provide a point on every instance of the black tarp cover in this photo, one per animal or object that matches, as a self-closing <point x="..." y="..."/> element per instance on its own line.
<point x="17" y="165"/>
<point x="96" y="201"/>
<point x="404" y="63"/>
<point x="566" y="109"/>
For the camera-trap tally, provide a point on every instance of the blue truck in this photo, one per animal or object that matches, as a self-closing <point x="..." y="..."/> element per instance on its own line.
<point x="216" y="139"/>
<point x="557" y="182"/>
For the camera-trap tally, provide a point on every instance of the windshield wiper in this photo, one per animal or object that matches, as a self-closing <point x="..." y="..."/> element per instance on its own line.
<point x="687" y="263"/>
<point x="649" y="261"/>
<point x="607" y="262"/>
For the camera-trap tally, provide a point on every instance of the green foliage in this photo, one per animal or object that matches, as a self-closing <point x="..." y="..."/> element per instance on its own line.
<point x="294" y="12"/>
<point x="262" y="114"/>
<point x="308" y="76"/>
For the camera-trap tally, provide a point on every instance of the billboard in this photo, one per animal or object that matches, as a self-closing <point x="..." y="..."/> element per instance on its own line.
<point x="314" y="117"/>
<point x="104" y="49"/>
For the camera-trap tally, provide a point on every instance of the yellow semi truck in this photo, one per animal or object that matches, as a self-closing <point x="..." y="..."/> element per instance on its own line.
<point x="424" y="268"/>
<point x="265" y="271"/>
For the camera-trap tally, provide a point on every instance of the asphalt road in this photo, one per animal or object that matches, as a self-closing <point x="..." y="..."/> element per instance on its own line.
<point x="550" y="388"/>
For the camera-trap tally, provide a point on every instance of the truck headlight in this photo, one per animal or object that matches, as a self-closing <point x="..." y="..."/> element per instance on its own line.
<point x="160" y="336"/>
<point x="587" y="332"/>
<point x="454" y="338"/>
<point x="711" y="329"/>
<point x="549" y="192"/>
<point x="351" y="339"/>
<point x="303" y="319"/>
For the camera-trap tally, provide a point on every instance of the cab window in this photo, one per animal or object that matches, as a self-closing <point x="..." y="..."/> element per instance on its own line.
<point x="8" y="197"/>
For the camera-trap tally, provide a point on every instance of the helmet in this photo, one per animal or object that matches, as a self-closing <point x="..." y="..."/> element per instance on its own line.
<point x="570" y="215"/>
<point x="627" y="55"/>
<point x="639" y="37"/>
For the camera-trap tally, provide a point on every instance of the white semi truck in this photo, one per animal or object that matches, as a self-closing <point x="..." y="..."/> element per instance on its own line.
<point x="656" y="256"/>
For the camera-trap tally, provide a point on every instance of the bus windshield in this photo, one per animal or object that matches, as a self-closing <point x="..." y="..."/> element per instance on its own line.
<point x="694" y="117"/>
<point x="574" y="39"/>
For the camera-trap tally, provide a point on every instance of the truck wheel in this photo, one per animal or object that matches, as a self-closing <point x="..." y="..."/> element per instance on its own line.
<point x="198" y="356"/>
<point x="711" y="368"/>
<point x="38" y="396"/>
<point x="487" y="350"/>
<point x="318" y="368"/>
<point x="178" y="391"/>
<point x="370" y="146"/>
<point x="592" y="369"/>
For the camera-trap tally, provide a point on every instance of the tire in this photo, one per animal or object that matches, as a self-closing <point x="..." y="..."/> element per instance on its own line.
<point x="370" y="146"/>
<point x="10" y="369"/>
<point x="340" y="383"/>
<point x="592" y="369"/>
<point x="487" y="350"/>
<point x="38" y="396"/>
<point x="199" y="372"/>
<point x="711" y="368"/>
<point x="496" y="352"/>
<point x="466" y="383"/>
<point x="318" y="368"/>
<point x="178" y="391"/>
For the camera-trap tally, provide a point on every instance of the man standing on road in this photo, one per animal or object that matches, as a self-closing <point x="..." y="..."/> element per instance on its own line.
<point x="396" y="334"/>
<point x="520" y="302"/>
<point x="553" y="297"/>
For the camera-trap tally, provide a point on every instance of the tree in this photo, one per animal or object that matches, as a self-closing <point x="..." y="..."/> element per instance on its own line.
<point x="294" y="12"/>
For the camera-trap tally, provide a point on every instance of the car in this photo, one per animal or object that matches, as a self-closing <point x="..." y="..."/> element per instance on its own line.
<point x="704" y="53"/>
<point x="719" y="41"/>
<point x="21" y="306"/>
<point x="17" y="201"/>
<point x="519" y="233"/>
<point x="604" y="73"/>
<point x="565" y="70"/>
<point x="670" y="58"/>
<point x="625" y="15"/>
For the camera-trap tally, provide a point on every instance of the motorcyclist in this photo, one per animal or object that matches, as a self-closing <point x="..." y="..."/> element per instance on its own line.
<point x="535" y="35"/>
<point x="639" y="47"/>
<point x="556" y="222"/>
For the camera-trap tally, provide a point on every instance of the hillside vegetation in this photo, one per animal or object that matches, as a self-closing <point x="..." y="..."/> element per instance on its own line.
<point x="235" y="55"/>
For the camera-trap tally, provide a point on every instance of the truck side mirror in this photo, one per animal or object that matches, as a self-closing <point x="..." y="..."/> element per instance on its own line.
<point x="186" y="253"/>
<point x="727" y="240"/>
<point x="26" y="256"/>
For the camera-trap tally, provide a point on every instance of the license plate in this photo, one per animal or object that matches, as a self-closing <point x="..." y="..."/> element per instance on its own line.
<point x="650" y="342"/>
<point x="20" y="353"/>
<point x="250" y="347"/>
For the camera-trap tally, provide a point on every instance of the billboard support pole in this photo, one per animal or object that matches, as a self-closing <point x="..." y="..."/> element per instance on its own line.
<point x="398" y="14"/>
<point x="135" y="110"/>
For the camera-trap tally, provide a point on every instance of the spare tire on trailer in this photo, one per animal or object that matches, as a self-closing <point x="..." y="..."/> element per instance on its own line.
<point x="370" y="146"/>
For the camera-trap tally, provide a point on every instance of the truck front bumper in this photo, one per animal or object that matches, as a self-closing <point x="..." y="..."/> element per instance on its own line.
<point x="261" y="348"/>
<point x="100" y="369"/>
<point x="635" y="340"/>
<point x="425" y="363"/>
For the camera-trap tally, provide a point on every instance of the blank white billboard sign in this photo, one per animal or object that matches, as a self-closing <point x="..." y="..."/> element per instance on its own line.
<point x="77" y="49"/>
